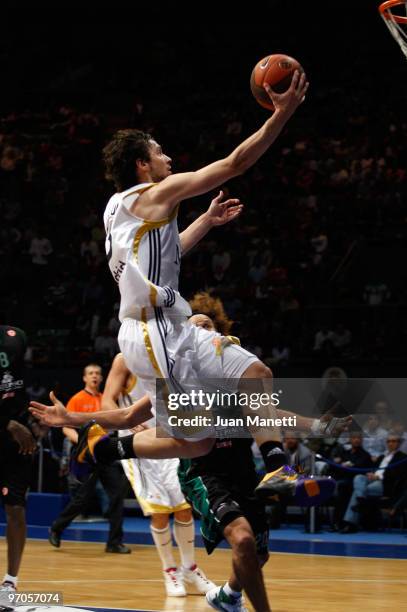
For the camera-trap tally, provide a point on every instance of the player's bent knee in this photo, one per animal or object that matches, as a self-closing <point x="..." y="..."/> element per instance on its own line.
<point x="263" y="371"/>
<point x="245" y="545"/>
<point x="241" y="540"/>
<point x="258" y="370"/>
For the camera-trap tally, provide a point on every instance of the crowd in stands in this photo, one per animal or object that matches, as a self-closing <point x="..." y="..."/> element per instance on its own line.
<point x="313" y="259"/>
<point x="369" y="464"/>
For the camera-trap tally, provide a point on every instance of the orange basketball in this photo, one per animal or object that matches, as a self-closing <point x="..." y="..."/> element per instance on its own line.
<point x="277" y="70"/>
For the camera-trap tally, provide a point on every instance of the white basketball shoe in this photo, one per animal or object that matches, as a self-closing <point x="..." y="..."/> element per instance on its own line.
<point x="174" y="584"/>
<point x="196" y="577"/>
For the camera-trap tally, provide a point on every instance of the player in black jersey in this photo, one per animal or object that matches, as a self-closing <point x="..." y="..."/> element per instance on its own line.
<point x="220" y="487"/>
<point x="13" y="404"/>
<point x="17" y="444"/>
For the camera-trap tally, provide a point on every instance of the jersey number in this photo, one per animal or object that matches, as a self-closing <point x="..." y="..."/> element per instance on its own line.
<point x="109" y="250"/>
<point x="4" y="360"/>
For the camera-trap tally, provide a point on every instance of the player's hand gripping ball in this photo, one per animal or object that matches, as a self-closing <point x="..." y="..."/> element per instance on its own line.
<point x="277" y="70"/>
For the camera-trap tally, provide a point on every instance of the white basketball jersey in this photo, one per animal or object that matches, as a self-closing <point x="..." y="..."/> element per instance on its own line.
<point x="144" y="256"/>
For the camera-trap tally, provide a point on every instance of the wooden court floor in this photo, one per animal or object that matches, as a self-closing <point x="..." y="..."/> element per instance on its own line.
<point x="88" y="576"/>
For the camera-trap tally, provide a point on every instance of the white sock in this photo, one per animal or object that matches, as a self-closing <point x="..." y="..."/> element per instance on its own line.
<point x="230" y="591"/>
<point x="184" y="534"/>
<point x="162" y="540"/>
<point x="9" y="578"/>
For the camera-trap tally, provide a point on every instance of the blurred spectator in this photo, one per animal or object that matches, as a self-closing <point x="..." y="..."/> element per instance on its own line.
<point x="220" y="263"/>
<point x="40" y="249"/>
<point x="384" y="480"/>
<point x="400" y="430"/>
<point x="92" y="296"/>
<point x="341" y="338"/>
<point x="376" y="294"/>
<point x="280" y="354"/>
<point x="37" y="392"/>
<point x="257" y="271"/>
<point x="89" y="248"/>
<point x="323" y="338"/>
<point x="288" y="302"/>
<point x="299" y="456"/>
<point x="382" y="410"/>
<point x="114" y="323"/>
<point x="319" y="243"/>
<point x="94" y="323"/>
<point x="355" y="457"/>
<point x="374" y="437"/>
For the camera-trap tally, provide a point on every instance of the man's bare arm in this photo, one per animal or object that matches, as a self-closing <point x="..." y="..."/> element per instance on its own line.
<point x="217" y="214"/>
<point x="123" y="418"/>
<point x="115" y="383"/>
<point x="177" y="187"/>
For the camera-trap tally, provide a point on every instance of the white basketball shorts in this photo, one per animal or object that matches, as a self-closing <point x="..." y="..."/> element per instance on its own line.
<point x="161" y="345"/>
<point x="155" y="484"/>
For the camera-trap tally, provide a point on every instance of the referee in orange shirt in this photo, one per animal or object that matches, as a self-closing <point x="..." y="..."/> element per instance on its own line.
<point x="111" y="476"/>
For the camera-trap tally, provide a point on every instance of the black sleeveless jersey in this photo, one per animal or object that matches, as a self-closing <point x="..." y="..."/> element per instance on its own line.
<point x="13" y="399"/>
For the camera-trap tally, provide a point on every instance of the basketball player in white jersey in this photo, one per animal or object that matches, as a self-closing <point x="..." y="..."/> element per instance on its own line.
<point x="144" y="250"/>
<point x="156" y="486"/>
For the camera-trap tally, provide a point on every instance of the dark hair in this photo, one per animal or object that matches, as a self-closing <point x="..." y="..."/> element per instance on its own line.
<point x="393" y="434"/>
<point x="120" y="156"/>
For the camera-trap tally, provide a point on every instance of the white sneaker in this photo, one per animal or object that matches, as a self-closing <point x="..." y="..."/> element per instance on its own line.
<point x="8" y="587"/>
<point x="197" y="578"/>
<point x="173" y="583"/>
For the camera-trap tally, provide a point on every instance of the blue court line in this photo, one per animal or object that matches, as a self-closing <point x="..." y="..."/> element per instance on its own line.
<point x="293" y="539"/>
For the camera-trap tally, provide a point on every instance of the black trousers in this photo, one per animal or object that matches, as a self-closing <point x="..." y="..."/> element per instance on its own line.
<point x="115" y="484"/>
<point x="341" y="498"/>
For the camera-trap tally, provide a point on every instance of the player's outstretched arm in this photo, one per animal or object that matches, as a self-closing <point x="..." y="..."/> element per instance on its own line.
<point x="123" y="418"/>
<point x="56" y="415"/>
<point x="217" y="214"/>
<point x="178" y="187"/>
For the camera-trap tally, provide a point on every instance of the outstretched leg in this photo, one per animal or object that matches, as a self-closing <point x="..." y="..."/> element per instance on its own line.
<point x="280" y="479"/>
<point x="96" y="445"/>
